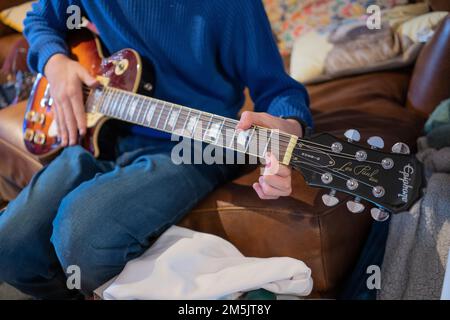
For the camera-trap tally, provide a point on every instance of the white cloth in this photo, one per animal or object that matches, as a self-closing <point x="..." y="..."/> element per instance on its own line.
<point x="184" y="264"/>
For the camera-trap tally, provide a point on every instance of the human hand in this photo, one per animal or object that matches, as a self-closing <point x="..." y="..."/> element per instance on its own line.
<point x="66" y="77"/>
<point x="276" y="180"/>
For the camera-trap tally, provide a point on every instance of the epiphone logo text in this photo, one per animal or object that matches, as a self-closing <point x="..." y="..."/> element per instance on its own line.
<point x="407" y="171"/>
<point x="362" y="170"/>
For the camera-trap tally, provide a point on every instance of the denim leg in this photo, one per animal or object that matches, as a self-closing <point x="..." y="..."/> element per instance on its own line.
<point x="114" y="217"/>
<point x="27" y="258"/>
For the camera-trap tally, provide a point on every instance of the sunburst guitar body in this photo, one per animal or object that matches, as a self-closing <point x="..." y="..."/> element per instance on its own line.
<point x="121" y="70"/>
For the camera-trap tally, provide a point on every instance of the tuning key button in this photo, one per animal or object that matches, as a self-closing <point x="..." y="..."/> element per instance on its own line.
<point x="336" y="147"/>
<point x="361" y="155"/>
<point x="330" y="200"/>
<point x="352" y="184"/>
<point x="379" y="214"/>
<point x="375" y="142"/>
<point x="401" y="148"/>
<point x="326" y="178"/>
<point x="387" y="163"/>
<point x="352" y="135"/>
<point x="355" y="206"/>
<point x="378" y="191"/>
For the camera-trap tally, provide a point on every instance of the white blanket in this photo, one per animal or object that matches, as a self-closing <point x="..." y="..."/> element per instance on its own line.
<point x="184" y="264"/>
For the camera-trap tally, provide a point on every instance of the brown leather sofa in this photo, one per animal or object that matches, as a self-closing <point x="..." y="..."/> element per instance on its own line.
<point x="393" y="104"/>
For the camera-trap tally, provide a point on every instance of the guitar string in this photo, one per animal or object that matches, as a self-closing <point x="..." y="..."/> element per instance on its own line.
<point x="204" y="115"/>
<point x="341" y="155"/>
<point x="337" y="173"/>
<point x="203" y="132"/>
<point x="314" y="171"/>
<point x="162" y="104"/>
<point x="164" y="116"/>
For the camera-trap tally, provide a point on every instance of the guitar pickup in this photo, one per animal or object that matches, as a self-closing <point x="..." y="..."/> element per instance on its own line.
<point x="29" y="135"/>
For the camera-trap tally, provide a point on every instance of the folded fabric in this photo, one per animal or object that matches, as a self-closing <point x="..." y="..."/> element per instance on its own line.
<point x="184" y="264"/>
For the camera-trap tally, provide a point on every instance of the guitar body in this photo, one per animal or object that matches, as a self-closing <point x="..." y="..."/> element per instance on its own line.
<point x="122" y="70"/>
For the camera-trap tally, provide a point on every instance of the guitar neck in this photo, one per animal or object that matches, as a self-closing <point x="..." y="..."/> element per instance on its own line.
<point x="189" y="123"/>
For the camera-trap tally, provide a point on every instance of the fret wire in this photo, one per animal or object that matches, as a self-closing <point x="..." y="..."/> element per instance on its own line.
<point x="232" y="138"/>
<point x="105" y="99"/>
<point x="232" y="121"/>
<point x="104" y="108"/>
<point x="137" y="109"/>
<point x="118" y="109"/>
<point x="159" y="117"/>
<point x="176" y="119"/>
<point x="131" y="108"/>
<point x="152" y="107"/>
<point x="220" y="130"/>
<point x="267" y="144"/>
<point x="102" y="98"/>
<point x="194" y="128"/>
<point x="126" y="108"/>
<point x="168" y="117"/>
<point x="186" y="121"/>
<point x="146" y="109"/>
<point x="163" y="116"/>
<point x="142" y="109"/>
<point x="123" y="109"/>
<point x="250" y="139"/>
<point x="112" y="100"/>
<point x="208" y="125"/>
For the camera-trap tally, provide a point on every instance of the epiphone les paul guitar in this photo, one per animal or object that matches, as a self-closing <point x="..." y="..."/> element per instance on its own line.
<point x="391" y="182"/>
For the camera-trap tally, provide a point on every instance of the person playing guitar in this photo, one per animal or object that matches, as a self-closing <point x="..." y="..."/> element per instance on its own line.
<point x="98" y="214"/>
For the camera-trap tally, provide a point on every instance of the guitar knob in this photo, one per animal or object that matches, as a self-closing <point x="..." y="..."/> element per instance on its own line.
<point x="379" y="214"/>
<point x="355" y="206"/>
<point x="330" y="200"/>
<point x="375" y="142"/>
<point x="352" y="135"/>
<point x="401" y="148"/>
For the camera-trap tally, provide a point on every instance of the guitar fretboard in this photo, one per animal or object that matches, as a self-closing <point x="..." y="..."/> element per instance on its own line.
<point x="190" y="123"/>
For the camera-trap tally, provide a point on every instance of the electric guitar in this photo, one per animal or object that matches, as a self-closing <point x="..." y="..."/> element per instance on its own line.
<point x="391" y="182"/>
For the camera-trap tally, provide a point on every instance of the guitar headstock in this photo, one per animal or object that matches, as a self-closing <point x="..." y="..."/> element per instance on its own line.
<point x="390" y="181"/>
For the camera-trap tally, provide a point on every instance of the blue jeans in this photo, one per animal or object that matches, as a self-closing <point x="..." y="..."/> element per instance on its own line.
<point x="96" y="214"/>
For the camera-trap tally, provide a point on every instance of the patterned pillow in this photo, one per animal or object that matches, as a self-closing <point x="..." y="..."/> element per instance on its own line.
<point x="293" y="18"/>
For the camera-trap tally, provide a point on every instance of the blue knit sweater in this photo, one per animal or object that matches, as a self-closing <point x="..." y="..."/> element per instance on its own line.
<point x="205" y="52"/>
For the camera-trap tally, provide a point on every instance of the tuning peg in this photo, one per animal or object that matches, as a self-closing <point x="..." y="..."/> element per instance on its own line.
<point x="330" y="200"/>
<point x="379" y="214"/>
<point x="400" y="147"/>
<point x="355" y="206"/>
<point x="375" y="142"/>
<point x="352" y="135"/>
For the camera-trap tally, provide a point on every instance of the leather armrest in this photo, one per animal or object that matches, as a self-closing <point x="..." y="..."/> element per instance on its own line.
<point x="11" y="120"/>
<point x="17" y="166"/>
<point x="430" y="82"/>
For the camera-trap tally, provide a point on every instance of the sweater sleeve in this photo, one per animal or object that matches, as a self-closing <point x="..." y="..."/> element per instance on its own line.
<point x="249" y="53"/>
<point x="45" y="30"/>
